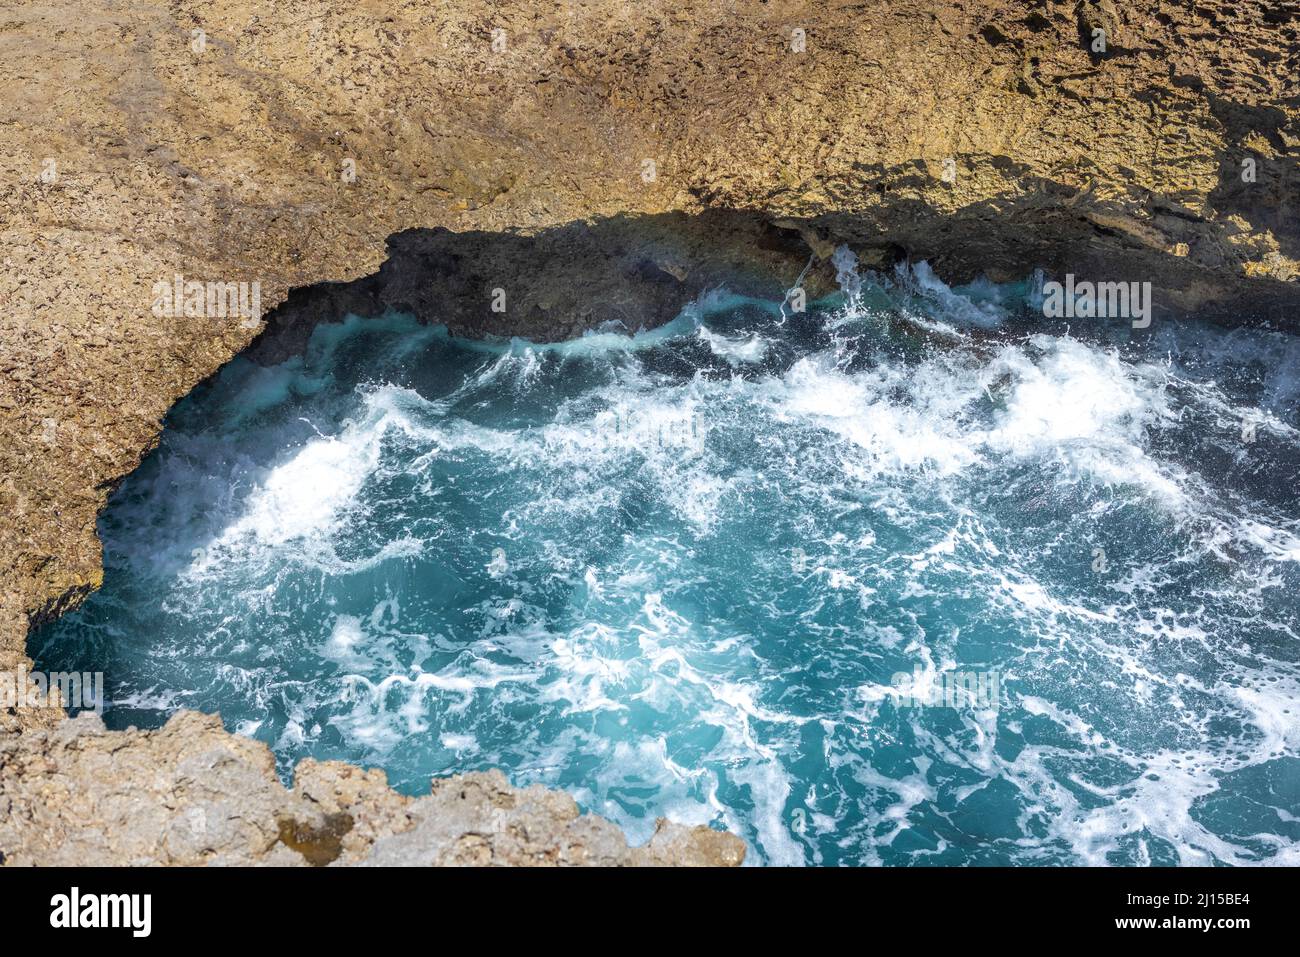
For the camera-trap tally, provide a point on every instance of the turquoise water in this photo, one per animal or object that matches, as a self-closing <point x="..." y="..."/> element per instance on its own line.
<point x="716" y="573"/>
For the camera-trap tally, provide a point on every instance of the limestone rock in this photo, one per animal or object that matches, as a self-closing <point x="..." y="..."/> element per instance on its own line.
<point x="191" y="793"/>
<point x="286" y="141"/>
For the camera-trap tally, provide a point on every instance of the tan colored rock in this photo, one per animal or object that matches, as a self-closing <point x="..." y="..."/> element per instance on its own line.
<point x="478" y="819"/>
<point x="191" y="793"/>
<point x="211" y="139"/>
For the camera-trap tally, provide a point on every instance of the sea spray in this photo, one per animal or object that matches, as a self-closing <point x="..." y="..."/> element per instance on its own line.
<point x="676" y="574"/>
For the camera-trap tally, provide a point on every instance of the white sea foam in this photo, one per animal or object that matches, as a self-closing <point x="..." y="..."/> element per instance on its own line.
<point x="735" y="349"/>
<point x="595" y="585"/>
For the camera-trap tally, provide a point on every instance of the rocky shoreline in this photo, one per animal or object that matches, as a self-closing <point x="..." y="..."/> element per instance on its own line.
<point x="192" y="793"/>
<point x="597" y="161"/>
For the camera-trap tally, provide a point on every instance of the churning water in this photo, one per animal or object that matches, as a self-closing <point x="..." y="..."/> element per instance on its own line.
<point x="728" y="572"/>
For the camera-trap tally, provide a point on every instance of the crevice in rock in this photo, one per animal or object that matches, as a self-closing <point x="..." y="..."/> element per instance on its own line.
<point x="630" y="272"/>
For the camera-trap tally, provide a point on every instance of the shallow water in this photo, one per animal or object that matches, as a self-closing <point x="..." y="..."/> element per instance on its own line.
<point x="701" y="572"/>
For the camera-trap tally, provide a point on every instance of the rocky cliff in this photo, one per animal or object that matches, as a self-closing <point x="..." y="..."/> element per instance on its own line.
<point x="284" y="142"/>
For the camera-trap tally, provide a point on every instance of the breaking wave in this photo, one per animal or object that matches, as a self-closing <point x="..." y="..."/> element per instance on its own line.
<point x="680" y="573"/>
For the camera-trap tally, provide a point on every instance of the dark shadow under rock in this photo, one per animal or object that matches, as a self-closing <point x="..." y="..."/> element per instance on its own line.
<point x="634" y="271"/>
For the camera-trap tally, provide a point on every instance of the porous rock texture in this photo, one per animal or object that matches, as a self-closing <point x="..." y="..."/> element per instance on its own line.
<point x="286" y="141"/>
<point x="191" y="793"/>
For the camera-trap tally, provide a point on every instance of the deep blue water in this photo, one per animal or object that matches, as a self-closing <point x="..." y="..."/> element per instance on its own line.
<point x="680" y="573"/>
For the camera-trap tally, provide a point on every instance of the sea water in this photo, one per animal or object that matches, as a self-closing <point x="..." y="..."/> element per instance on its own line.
<point x="916" y="576"/>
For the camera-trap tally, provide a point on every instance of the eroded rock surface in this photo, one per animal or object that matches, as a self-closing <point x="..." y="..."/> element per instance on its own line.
<point x="285" y="141"/>
<point x="190" y="793"/>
